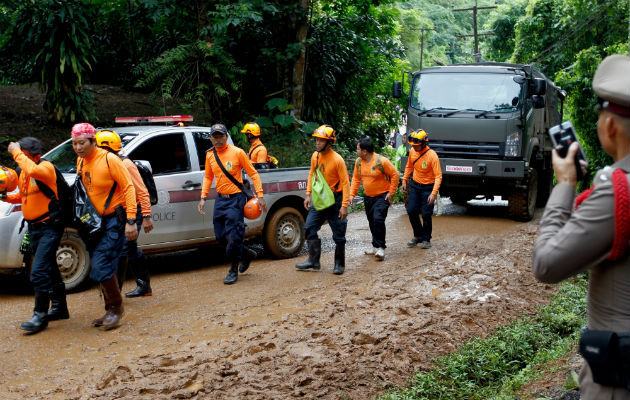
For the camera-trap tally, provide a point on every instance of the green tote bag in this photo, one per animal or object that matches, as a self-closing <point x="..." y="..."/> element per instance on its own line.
<point x="322" y="196"/>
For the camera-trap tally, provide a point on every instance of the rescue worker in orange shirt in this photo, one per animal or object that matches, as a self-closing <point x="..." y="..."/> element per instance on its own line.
<point x="333" y="167"/>
<point x="380" y="181"/>
<point x="44" y="231"/>
<point x="102" y="174"/>
<point x="257" y="151"/>
<point x="423" y="166"/>
<point x="228" y="217"/>
<point x="132" y="256"/>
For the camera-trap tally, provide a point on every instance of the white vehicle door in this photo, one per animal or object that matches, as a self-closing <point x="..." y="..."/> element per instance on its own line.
<point x="178" y="182"/>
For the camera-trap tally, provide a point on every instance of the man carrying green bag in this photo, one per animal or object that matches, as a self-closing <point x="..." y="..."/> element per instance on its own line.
<point x="327" y="195"/>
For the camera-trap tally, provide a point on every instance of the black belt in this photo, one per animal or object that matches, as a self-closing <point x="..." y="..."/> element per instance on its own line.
<point x="228" y="196"/>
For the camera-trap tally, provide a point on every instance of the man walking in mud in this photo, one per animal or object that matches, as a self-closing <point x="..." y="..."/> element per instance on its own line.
<point x="333" y="169"/>
<point x="228" y="218"/>
<point x="592" y="233"/>
<point x="380" y="181"/>
<point x="423" y="166"/>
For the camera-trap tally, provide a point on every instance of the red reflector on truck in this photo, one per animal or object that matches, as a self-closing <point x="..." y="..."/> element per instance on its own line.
<point x="159" y="119"/>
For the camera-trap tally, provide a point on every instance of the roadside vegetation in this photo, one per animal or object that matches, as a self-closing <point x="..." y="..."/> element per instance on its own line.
<point x="497" y="366"/>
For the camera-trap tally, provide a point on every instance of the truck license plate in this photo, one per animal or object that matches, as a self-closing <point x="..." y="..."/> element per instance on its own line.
<point x="458" y="168"/>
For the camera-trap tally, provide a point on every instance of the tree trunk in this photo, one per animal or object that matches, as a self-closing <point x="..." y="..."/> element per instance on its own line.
<point x="299" y="68"/>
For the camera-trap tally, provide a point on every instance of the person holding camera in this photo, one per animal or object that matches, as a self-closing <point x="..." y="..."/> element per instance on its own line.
<point x="592" y="233"/>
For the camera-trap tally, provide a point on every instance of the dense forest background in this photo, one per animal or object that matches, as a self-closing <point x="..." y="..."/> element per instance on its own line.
<point x="293" y="65"/>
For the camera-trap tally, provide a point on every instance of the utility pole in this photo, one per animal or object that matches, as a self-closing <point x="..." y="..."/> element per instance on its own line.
<point x="474" y="9"/>
<point x="422" y="30"/>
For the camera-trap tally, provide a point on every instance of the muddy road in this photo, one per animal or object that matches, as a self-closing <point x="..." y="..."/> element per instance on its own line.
<point x="279" y="333"/>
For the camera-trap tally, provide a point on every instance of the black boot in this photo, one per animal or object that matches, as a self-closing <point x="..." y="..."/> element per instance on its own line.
<point x="143" y="289"/>
<point x="232" y="276"/>
<point x="58" y="305"/>
<point x="314" y="252"/>
<point x="39" y="320"/>
<point x="123" y="261"/>
<point x="248" y="256"/>
<point x="340" y="259"/>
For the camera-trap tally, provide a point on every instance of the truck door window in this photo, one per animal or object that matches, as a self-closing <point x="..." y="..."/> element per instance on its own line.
<point x="203" y="144"/>
<point x="166" y="153"/>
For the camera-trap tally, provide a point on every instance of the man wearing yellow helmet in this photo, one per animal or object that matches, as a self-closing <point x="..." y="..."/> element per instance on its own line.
<point x="423" y="166"/>
<point x="131" y="255"/>
<point x="257" y="151"/>
<point x="333" y="168"/>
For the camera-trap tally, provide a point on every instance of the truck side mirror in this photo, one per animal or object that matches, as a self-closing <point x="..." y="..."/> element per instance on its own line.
<point x="539" y="87"/>
<point x="538" y="101"/>
<point x="397" y="89"/>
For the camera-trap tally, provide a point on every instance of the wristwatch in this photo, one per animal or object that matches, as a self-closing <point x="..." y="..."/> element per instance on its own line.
<point x="131" y="221"/>
<point x="147" y="216"/>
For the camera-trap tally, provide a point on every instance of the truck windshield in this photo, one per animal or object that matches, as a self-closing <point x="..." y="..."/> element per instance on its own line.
<point x="461" y="91"/>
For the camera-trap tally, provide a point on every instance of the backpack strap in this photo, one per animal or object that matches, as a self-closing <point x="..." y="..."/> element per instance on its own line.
<point x="45" y="189"/>
<point x="622" y="215"/>
<point x="419" y="157"/>
<point x="227" y="174"/>
<point x="357" y="165"/>
<point x="249" y="154"/>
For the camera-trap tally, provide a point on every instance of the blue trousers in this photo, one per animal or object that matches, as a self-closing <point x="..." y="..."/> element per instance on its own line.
<point x="417" y="204"/>
<point x="130" y="248"/>
<point x="106" y="248"/>
<point x="229" y="224"/>
<point x="315" y="219"/>
<point x="376" y="209"/>
<point x="44" y="243"/>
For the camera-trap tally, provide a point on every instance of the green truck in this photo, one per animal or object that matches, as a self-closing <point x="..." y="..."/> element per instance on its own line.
<point x="488" y="123"/>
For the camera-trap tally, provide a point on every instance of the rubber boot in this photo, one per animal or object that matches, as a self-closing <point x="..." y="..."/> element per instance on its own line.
<point x="39" y="320"/>
<point x="314" y="253"/>
<point x="143" y="288"/>
<point x="232" y="275"/>
<point x="340" y="259"/>
<point x="99" y="321"/>
<point x="248" y="256"/>
<point x="123" y="262"/>
<point x="115" y="310"/>
<point x="58" y="305"/>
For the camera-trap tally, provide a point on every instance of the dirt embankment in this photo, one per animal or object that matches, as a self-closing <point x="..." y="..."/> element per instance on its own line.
<point x="279" y="333"/>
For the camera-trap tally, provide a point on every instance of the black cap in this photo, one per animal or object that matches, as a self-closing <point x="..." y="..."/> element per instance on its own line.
<point x="31" y="144"/>
<point x="218" y="128"/>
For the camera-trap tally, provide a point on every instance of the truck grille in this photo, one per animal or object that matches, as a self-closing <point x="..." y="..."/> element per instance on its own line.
<point x="473" y="150"/>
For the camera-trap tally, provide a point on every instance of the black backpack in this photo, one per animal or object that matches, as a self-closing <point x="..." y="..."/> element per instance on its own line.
<point x="60" y="210"/>
<point x="147" y="178"/>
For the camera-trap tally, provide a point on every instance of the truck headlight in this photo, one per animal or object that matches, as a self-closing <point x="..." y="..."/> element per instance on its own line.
<point x="513" y="145"/>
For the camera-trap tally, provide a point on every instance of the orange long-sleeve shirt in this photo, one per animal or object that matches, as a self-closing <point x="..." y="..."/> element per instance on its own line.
<point x="257" y="152"/>
<point x="142" y="194"/>
<point x="333" y="167"/>
<point x="426" y="170"/>
<point x="34" y="202"/>
<point x="98" y="173"/>
<point x="234" y="160"/>
<point x="375" y="182"/>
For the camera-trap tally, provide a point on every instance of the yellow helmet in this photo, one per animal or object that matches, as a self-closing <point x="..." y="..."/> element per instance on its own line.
<point x="418" y="137"/>
<point x="251" y="127"/>
<point x="325" y="132"/>
<point x="108" y="139"/>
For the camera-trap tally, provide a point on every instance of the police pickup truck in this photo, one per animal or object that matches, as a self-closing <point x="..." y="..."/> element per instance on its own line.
<point x="176" y="156"/>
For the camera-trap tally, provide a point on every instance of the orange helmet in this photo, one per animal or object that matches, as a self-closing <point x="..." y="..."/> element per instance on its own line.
<point x="325" y="132"/>
<point x="108" y="139"/>
<point x="252" y="209"/>
<point x="8" y="179"/>
<point x="251" y="127"/>
<point x="418" y="137"/>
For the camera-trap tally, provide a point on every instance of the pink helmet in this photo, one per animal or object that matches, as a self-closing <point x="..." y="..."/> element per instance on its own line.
<point x="83" y="131"/>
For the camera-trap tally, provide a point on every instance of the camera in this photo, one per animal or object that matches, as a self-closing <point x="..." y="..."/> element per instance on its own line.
<point x="563" y="136"/>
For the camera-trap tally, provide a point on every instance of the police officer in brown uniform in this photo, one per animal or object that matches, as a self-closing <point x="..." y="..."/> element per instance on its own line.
<point x="590" y="238"/>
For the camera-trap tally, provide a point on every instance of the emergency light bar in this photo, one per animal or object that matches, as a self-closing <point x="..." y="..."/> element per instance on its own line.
<point x="153" y="120"/>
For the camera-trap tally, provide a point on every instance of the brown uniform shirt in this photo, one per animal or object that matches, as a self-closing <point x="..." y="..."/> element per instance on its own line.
<point x="570" y="242"/>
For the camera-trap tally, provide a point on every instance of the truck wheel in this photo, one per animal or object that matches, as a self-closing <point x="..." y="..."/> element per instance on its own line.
<point x="522" y="202"/>
<point x="73" y="260"/>
<point x="545" y="185"/>
<point x="283" y="235"/>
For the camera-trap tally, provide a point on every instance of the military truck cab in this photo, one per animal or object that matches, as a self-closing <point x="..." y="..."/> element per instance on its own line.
<point x="488" y="124"/>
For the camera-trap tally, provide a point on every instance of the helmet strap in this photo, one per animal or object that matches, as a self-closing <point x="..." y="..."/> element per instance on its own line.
<point x="323" y="150"/>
